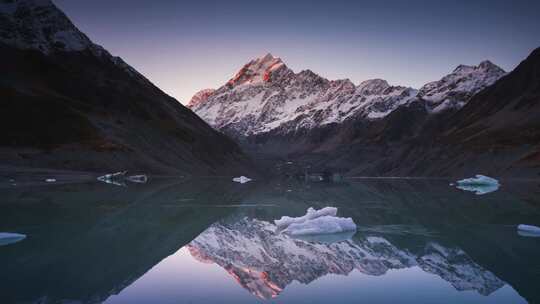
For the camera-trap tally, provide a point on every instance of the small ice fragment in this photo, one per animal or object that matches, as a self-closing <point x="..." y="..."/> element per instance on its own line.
<point x="50" y="180"/>
<point x="311" y="214"/>
<point x="480" y="184"/>
<point x="322" y="225"/>
<point x="528" y="230"/>
<point x="141" y="179"/>
<point x="114" y="178"/>
<point x="242" y="179"/>
<point x="478" y="180"/>
<point x="7" y="238"/>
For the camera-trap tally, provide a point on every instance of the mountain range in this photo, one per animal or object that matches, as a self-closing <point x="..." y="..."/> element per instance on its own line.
<point x="461" y="123"/>
<point x="68" y="103"/>
<point x="265" y="261"/>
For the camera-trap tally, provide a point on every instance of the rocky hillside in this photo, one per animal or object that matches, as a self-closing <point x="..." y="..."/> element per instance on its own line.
<point x="68" y="103"/>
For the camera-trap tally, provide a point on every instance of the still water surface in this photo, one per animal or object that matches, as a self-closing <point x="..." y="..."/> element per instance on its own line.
<point x="213" y="241"/>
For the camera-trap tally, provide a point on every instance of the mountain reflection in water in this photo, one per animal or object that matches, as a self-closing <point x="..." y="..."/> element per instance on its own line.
<point x="96" y="243"/>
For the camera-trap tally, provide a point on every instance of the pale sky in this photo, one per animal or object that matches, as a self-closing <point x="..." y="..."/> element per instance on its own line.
<point x="185" y="46"/>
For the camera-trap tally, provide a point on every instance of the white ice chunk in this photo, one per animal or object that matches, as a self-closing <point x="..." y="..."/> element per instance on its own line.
<point x="311" y="214"/>
<point x="480" y="184"/>
<point x="242" y="179"/>
<point x="321" y="225"/>
<point x="111" y="176"/>
<point x="528" y="230"/>
<point x="478" y="180"/>
<point x="7" y="238"/>
<point x="114" y="178"/>
<point x="50" y="180"/>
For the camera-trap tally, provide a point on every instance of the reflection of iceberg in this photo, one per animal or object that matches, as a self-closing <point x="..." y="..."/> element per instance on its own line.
<point x="528" y="230"/>
<point x="7" y="238"/>
<point x="141" y="179"/>
<point x="327" y="238"/>
<point x="242" y="179"/>
<point x="480" y="184"/>
<point x="264" y="261"/>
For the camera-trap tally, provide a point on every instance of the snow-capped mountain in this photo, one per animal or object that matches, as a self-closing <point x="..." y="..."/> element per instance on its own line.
<point x="456" y="88"/>
<point x="265" y="262"/>
<point x="200" y="97"/>
<point x="266" y="95"/>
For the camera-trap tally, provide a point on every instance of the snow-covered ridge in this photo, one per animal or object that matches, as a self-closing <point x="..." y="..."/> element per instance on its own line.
<point x="40" y="25"/>
<point x="266" y="95"/>
<point x="264" y="261"/>
<point x="456" y="88"/>
<point x="200" y="97"/>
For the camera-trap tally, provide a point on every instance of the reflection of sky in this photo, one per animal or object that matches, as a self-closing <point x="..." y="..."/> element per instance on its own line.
<point x="185" y="46"/>
<point x="181" y="279"/>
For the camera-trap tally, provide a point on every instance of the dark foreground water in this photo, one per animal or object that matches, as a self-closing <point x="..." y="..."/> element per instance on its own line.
<point x="213" y="241"/>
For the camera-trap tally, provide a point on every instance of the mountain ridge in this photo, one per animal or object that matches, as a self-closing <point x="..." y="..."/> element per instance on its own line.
<point x="70" y="104"/>
<point x="265" y="88"/>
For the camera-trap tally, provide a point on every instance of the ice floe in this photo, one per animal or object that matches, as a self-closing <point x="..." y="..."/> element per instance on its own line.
<point x="311" y="214"/>
<point x="480" y="184"/>
<point x="242" y="179"/>
<point x="528" y="230"/>
<point x="120" y="178"/>
<point x="7" y="238"/>
<point x="315" y="222"/>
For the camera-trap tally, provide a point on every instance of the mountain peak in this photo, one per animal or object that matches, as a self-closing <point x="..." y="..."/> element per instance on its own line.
<point x="200" y="97"/>
<point x="258" y="70"/>
<point x="373" y="86"/>
<point x="40" y="25"/>
<point x="456" y="88"/>
<point x="485" y="65"/>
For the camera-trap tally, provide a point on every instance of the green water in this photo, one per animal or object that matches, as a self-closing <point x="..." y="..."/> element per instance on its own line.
<point x="213" y="241"/>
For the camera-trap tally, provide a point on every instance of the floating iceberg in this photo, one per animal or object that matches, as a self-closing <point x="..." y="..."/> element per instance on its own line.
<point x="7" y="238"/>
<point x="119" y="178"/>
<point x="50" y="180"/>
<point x="528" y="230"/>
<point x="321" y="225"/>
<point x="108" y="178"/>
<point x="480" y="184"/>
<point x="315" y="222"/>
<point x="141" y="179"/>
<point x="242" y="179"/>
<point x="311" y="214"/>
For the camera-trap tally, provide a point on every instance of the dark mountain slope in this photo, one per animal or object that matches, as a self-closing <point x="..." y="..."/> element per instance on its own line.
<point x="497" y="132"/>
<point x="72" y="105"/>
